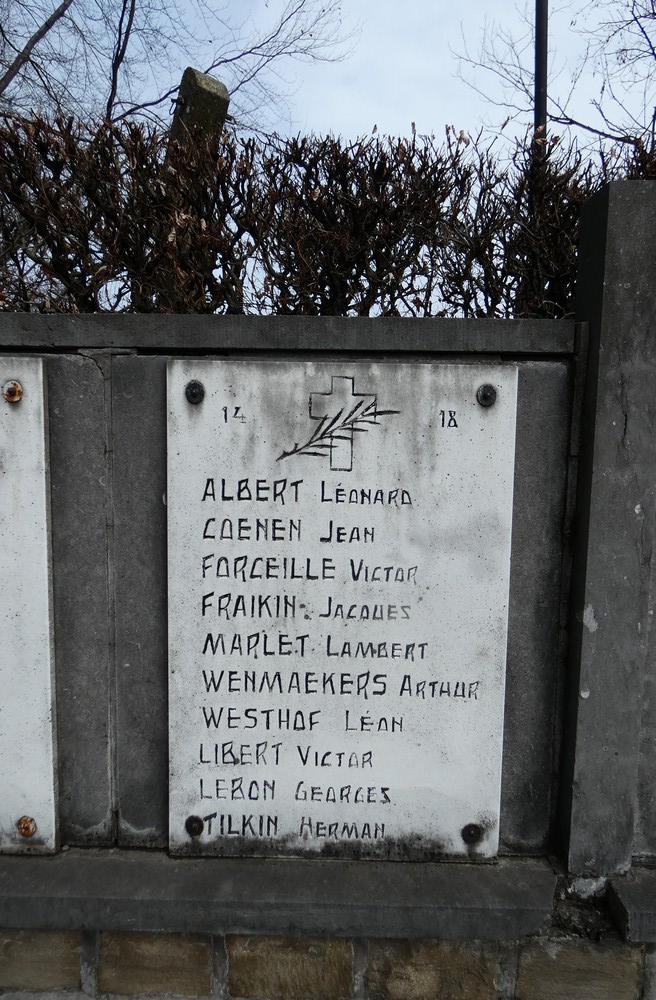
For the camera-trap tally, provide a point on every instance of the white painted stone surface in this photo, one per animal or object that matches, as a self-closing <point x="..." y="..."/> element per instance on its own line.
<point x="338" y="686"/>
<point x="27" y="747"/>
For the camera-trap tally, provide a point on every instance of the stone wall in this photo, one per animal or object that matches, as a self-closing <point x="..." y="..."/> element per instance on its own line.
<point x="113" y="916"/>
<point x="86" y="964"/>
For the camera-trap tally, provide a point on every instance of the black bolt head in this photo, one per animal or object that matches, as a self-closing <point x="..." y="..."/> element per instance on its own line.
<point x="194" y="826"/>
<point x="486" y="395"/>
<point x="195" y="392"/>
<point x="471" y="834"/>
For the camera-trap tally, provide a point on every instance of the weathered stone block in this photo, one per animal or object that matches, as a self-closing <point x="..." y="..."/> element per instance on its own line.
<point x="425" y="970"/>
<point x="579" y="971"/>
<point x="40" y="960"/>
<point x="155" y="963"/>
<point x="282" y="968"/>
<point x="202" y="102"/>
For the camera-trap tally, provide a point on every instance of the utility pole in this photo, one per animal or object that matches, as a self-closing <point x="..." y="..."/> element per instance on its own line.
<point x="541" y="51"/>
<point x="538" y="146"/>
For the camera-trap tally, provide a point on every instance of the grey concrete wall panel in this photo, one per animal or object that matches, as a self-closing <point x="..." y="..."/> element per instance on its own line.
<point x="139" y="891"/>
<point x="610" y="620"/>
<point x="136" y="702"/>
<point x="533" y="669"/>
<point x="139" y="485"/>
<point x="180" y="334"/>
<point x="644" y="845"/>
<point x="76" y="395"/>
<point x="139" y="427"/>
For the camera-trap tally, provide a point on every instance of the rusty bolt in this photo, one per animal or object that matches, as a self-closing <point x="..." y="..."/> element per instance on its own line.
<point x="26" y="826"/>
<point x="194" y="826"/>
<point x="471" y="834"/>
<point x="12" y="391"/>
<point x="195" y="392"/>
<point x="486" y="395"/>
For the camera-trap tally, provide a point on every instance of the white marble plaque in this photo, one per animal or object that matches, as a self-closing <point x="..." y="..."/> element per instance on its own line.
<point x="339" y="555"/>
<point x="28" y="806"/>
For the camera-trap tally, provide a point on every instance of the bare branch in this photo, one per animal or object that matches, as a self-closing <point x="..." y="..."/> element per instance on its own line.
<point x="614" y="73"/>
<point x="123" y="31"/>
<point x="24" y="55"/>
<point x="117" y="58"/>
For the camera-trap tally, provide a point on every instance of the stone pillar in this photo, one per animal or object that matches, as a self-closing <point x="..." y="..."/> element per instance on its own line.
<point x="201" y="108"/>
<point x="611" y="571"/>
<point x="202" y="102"/>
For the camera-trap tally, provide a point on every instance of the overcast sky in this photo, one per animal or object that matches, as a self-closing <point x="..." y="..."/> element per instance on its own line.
<point x="402" y="68"/>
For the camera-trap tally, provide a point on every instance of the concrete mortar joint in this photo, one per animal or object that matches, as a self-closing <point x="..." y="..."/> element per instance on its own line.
<point x="89" y="963"/>
<point x="220" y="962"/>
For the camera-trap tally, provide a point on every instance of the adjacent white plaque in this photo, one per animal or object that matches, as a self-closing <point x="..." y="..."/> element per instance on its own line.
<point x="27" y="753"/>
<point x="339" y="554"/>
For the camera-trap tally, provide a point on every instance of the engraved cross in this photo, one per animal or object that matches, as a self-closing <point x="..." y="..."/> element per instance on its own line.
<point x="341" y="400"/>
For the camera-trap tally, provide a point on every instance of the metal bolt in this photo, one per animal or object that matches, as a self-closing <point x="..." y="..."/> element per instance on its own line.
<point x="471" y="834"/>
<point x="12" y="391"/>
<point x="194" y="826"/>
<point x="26" y="826"/>
<point x="486" y="395"/>
<point x="195" y="392"/>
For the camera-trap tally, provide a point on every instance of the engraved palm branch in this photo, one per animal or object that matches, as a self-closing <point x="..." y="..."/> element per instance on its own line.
<point x="339" y="428"/>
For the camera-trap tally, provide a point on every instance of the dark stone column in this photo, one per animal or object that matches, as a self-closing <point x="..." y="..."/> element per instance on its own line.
<point x="611" y="578"/>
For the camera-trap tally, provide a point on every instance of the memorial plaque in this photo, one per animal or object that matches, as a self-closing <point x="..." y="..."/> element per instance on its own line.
<point x="339" y="556"/>
<point x="27" y="757"/>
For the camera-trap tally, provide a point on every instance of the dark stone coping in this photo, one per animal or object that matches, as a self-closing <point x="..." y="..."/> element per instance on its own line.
<point x="122" y="890"/>
<point x="632" y="904"/>
<point x="156" y="333"/>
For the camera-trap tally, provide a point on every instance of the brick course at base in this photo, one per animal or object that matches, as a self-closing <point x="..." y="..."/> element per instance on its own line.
<point x="154" y="963"/>
<point x="579" y="971"/>
<point x="404" y="970"/>
<point x="290" y="968"/>
<point x="298" y="968"/>
<point x="40" y="960"/>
